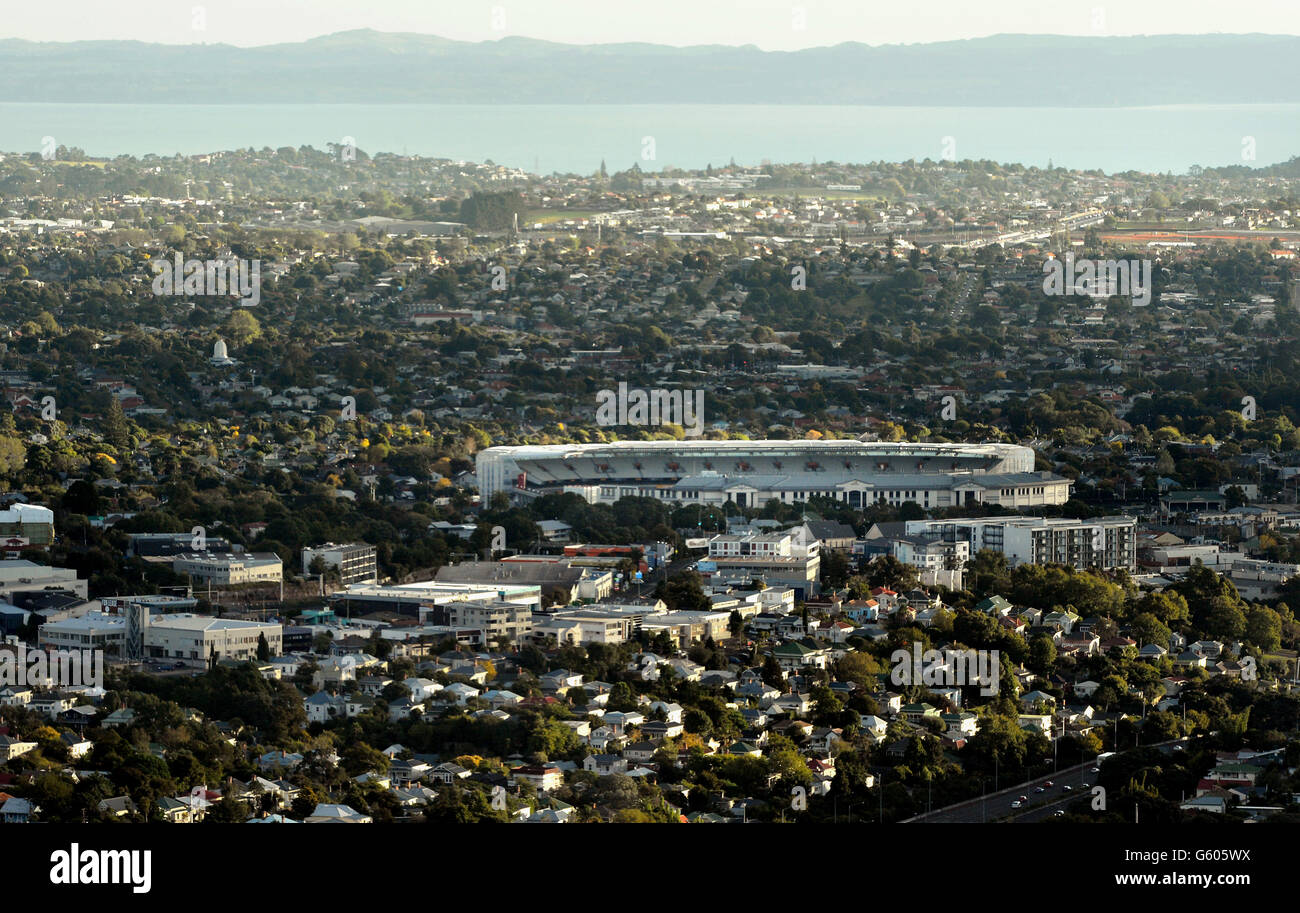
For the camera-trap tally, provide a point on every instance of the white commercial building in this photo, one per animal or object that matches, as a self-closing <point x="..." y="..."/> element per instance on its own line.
<point x="587" y="626"/>
<point x="193" y="639"/>
<point x="231" y="570"/>
<point x="92" y="631"/>
<point x="20" y="574"/>
<point x="421" y="600"/>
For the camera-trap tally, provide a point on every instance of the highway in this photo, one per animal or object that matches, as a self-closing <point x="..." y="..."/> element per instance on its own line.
<point x="996" y="806"/>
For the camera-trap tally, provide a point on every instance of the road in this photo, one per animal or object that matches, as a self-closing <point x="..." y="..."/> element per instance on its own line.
<point x="996" y="806"/>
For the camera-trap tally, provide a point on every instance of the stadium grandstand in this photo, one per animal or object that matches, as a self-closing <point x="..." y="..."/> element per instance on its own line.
<point x="750" y="473"/>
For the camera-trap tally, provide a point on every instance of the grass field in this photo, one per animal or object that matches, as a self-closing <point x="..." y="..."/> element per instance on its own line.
<point x="551" y="216"/>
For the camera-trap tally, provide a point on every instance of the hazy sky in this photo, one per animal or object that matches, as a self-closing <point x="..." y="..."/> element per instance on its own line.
<point x="770" y="24"/>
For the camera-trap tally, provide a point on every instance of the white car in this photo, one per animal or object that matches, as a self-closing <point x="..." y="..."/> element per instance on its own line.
<point x="1016" y="803"/>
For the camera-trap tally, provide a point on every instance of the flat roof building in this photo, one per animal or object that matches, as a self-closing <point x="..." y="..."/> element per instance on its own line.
<point x="31" y="522"/>
<point x="355" y="563"/>
<point x="92" y="631"/>
<point x="418" y="600"/>
<point x="231" y="570"/>
<point x="194" y="639"/>
<point x="1103" y="542"/>
<point x="21" y="574"/>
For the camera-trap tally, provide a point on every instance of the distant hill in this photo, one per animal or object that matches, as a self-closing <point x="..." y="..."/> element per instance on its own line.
<point x="382" y="68"/>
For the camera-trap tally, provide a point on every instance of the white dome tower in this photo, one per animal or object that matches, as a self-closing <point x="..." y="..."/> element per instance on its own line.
<point x="219" y="354"/>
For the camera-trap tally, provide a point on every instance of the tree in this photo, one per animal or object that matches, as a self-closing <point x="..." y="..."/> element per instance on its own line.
<point x="622" y="698"/>
<point x="888" y="571"/>
<point x="735" y="624"/>
<point x="13" y="454"/>
<point x="1148" y="629"/>
<point x="263" y="648"/>
<point x="228" y="811"/>
<point x="684" y="592"/>
<point x="81" y="498"/>
<point x="860" y="668"/>
<point x="491" y="211"/>
<point x="1263" y="627"/>
<point x="790" y="765"/>
<point x="242" y="327"/>
<point x="1225" y="620"/>
<point x="1042" y="654"/>
<point x="116" y="429"/>
<point x="835" y="569"/>
<point x="772" y="673"/>
<point x="1168" y="607"/>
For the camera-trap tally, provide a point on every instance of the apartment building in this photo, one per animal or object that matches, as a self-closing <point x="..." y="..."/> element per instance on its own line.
<point x="779" y="559"/>
<point x="355" y="563"/>
<point x="495" y="620"/>
<point x="1104" y="542"/>
<point x="939" y="562"/>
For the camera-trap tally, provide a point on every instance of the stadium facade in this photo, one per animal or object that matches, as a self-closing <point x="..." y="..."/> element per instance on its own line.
<point x="750" y="473"/>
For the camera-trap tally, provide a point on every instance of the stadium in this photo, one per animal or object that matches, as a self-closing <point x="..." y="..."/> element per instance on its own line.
<point x="750" y="473"/>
